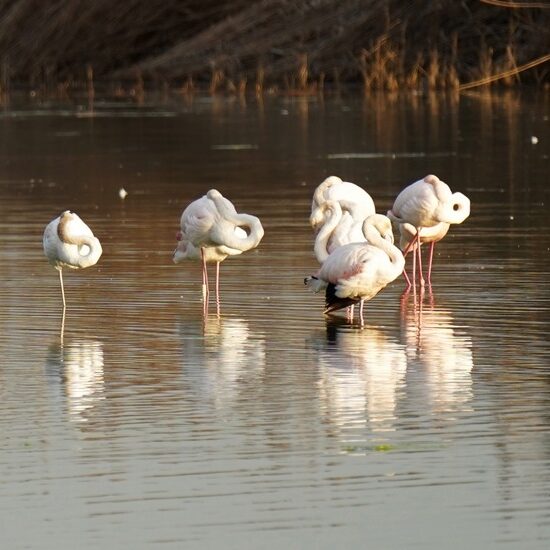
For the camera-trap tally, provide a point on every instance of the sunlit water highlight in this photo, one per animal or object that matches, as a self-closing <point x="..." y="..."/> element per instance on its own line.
<point x="149" y="425"/>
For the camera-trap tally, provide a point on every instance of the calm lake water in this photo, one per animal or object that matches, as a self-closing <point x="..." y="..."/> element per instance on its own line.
<point x="269" y="425"/>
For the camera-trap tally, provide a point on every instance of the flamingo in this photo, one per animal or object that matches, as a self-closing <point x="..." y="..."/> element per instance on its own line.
<point x="212" y="230"/>
<point x="357" y="272"/>
<point x="69" y="242"/>
<point x="340" y="229"/>
<point x="426" y="203"/>
<point x="430" y="235"/>
<point x="351" y="197"/>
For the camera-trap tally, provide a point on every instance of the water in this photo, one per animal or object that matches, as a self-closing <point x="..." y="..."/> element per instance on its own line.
<point x="270" y="425"/>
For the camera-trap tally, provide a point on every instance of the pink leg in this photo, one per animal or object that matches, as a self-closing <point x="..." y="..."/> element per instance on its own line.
<point x="432" y="246"/>
<point x="405" y="252"/>
<point x="407" y="280"/>
<point x="361" y="303"/>
<point x="414" y="268"/>
<point x="419" y="252"/>
<point x="409" y="246"/>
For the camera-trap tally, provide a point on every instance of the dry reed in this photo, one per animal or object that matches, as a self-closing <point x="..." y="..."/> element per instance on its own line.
<point x="305" y="46"/>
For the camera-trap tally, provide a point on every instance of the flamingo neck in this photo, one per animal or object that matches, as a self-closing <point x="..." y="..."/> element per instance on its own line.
<point x="91" y="243"/>
<point x="320" y="247"/>
<point x="229" y="219"/>
<point x="453" y="207"/>
<point x="375" y="238"/>
<point x="319" y="193"/>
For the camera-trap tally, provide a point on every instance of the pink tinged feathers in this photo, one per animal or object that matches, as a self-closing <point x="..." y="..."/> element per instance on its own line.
<point x="356" y="272"/>
<point x="424" y="210"/>
<point x="212" y="230"/>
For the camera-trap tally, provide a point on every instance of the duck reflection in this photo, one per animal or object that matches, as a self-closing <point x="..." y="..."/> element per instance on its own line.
<point x="443" y="352"/>
<point x="221" y="357"/>
<point x="78" y="366"/>
<point x="362" y="372"/>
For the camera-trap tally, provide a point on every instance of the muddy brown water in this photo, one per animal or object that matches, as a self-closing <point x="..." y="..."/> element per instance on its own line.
<point x="270" y="425"/>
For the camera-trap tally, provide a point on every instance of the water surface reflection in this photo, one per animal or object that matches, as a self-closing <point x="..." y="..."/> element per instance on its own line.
<point x="77" y="367"/>
<point x="361" y="374"/>
<point x="269" y="425"/>
<point x="221" y="357"/>
<point x="443" y="351"/>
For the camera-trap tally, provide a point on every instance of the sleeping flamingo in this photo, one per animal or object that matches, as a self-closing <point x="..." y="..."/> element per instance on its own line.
<point x="69" y="242"/>
<point x="426" y="203"/>
<point x="357" y="272"/>
<point x="351" y="197"/>
<point x="212" y="230"/>
<point x="340" y="229"/>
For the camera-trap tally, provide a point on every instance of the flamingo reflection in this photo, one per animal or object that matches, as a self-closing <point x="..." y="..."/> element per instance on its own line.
<point x="79" y="368"/>
<point x="442" y="350"/>
<point x="221" y="357"/>
<point x="361" y="375"/>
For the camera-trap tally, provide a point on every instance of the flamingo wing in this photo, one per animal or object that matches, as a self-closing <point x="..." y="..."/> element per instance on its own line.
<point x="355" y="270"/>
<point x="197" y="221"/>
<point x="416" y="205"/>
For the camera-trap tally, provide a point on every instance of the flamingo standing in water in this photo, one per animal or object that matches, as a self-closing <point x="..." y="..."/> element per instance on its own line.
<point x="426" y="203"/>
<point x="357" y="272"/>
<point x="352" y="198"/>
<point x="212" y="230"/>
<point x="69" y="242"/>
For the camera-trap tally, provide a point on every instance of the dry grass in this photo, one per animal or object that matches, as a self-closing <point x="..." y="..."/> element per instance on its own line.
<point x="301" y="47"/>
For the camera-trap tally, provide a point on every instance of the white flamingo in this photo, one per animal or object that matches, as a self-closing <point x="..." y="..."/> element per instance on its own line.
<point x="426" y="203"/>
<point x="212" y="230"/>
<point x="351" y="197"/>
<point x="340" y="229"/>
<point x="69" y="242"/>
<point x="357" y="272"/>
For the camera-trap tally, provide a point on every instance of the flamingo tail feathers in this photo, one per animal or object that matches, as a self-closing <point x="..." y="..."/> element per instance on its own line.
<point x="334" y="303"/>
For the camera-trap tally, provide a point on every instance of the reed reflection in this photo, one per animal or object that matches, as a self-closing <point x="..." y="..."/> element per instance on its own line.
<point x="78" y="368"/>
<point x="361" y="373"/>
<point x="443" y="352"/>
<point x="221" y="356"/>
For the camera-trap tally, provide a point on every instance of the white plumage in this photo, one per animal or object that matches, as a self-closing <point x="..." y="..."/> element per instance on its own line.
<point x="352" y="198"/>
<point x="212" y="230"/>
<point x="427" y="202"/>
<point x="69" y="242"/>
<point x="356" y="272"/>
<point x="425" y="209"/>
<point x="340" y="229"/>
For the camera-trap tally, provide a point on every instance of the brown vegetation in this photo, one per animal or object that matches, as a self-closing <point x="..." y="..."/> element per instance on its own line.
<point x="287" y="45"/>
